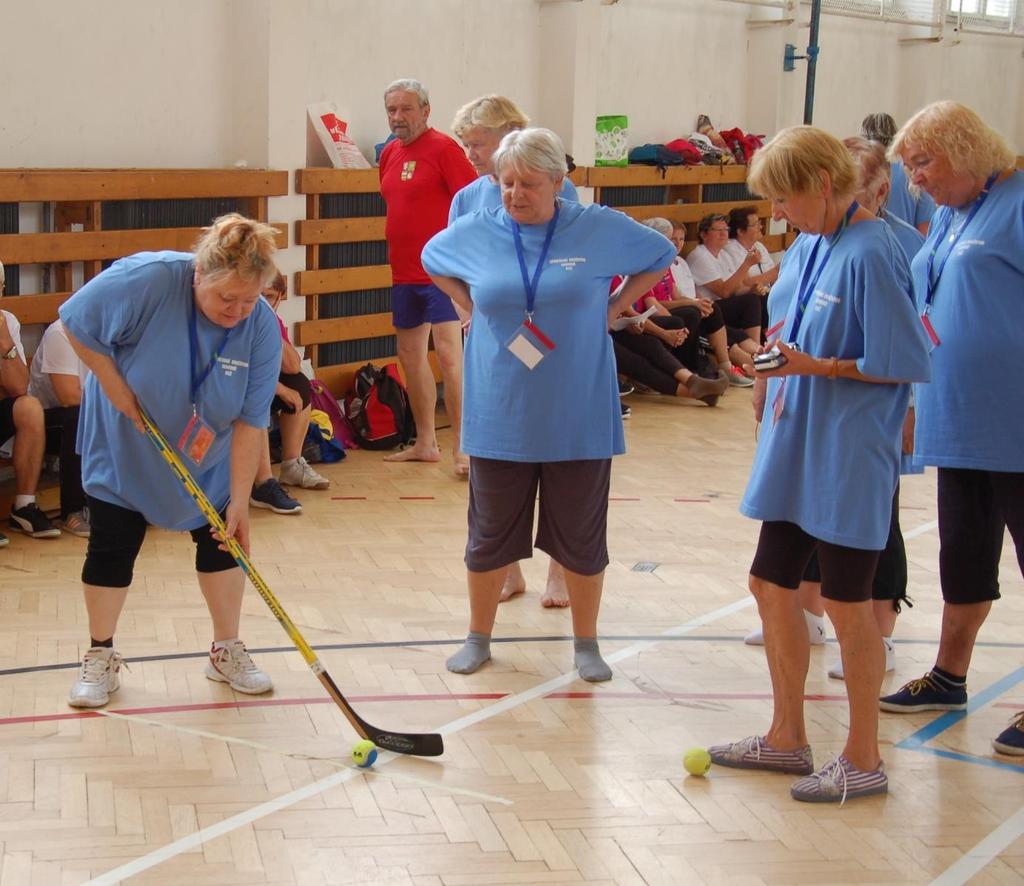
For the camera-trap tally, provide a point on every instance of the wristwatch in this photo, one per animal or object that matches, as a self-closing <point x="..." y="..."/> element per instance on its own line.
<point x="12" y="353"/>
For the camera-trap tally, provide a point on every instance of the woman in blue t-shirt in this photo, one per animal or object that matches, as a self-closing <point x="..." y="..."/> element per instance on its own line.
<point x="828" y="456"/>
<point x="539" y="385"/>
<point x="968" y="282"/>
<point x="188" y="338"/>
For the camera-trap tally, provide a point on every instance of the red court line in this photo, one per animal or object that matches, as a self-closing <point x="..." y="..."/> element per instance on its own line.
<point x="1012" y="705"/>
<point x="702" y="501"/>
<point x="461" y="696"/>
<point x="621" y="498"/>
<point x="348" y="498"/>
<point x="415" y="498"/>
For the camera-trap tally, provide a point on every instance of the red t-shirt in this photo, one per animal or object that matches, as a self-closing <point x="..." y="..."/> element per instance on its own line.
<point x="418" y="181"/>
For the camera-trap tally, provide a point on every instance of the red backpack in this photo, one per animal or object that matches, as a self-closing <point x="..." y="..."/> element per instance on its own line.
<point x="742" y="144"/>
<point x="379" y="408"/>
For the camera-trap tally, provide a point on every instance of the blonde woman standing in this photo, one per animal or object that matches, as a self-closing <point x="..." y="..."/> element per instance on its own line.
<point x="187" y="337"/>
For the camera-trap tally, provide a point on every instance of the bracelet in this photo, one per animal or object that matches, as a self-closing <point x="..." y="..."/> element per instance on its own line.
<point x="833" y="370"/>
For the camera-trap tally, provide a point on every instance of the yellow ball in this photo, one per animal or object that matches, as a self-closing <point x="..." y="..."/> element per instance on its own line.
<point x="697" y="761"/>
<point x="364" y="753"/>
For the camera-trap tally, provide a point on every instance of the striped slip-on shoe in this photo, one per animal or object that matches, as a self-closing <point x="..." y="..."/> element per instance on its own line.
<point x="840" y="781"/>
<point x="755" y="753"/>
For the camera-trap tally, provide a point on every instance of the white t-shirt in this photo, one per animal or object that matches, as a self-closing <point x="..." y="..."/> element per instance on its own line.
<point x="682" y="277"/>
<point x="54" y="356"/>
<point x="737" y="253"/>
<point x="706" y="268"/>
<point x="14" y="327"/>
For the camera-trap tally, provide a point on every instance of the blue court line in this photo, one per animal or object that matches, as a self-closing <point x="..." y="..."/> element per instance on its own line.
<point x="968" y="758"/>
<point x="917" y="740"/>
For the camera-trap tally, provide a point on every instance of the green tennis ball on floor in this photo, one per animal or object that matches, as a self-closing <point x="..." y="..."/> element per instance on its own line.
<point x="364" y="753"/>
<point x="697" y="761"/>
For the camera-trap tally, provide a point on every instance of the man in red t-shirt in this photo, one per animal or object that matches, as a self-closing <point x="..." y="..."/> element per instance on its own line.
<point x="420" y="172"/>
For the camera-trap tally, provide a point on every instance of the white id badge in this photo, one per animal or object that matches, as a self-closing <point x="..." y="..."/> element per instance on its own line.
<point x="530" y="345"/>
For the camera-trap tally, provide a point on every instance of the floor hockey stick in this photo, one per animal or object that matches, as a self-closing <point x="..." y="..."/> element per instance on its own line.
<point x="417" y="744"/>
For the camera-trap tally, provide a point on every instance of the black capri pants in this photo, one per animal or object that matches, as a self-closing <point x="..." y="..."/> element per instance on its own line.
<point x="975" y="509"/>
<point x="573" y="523"/>
<point x="890" y="582"/>
<point x="116" y="538"/>
<point x="784" y="549"/>
<point x="297" y="381"/>
<point x="742" y="311"/>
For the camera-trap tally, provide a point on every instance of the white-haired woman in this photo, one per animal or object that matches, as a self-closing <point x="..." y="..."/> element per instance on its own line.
<point x="541" y="393"/>
<point x="481" y="125"/>
<point x="187" y="337"/>
<point x="834" y="409"/>
<point x="968" y="280"/>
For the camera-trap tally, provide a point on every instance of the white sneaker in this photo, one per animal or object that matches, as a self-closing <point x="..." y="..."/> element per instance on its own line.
<point x="815" y="631"/>
<point x="300" y="473"/>
<point x="231" y="664"/>
<point x="101" y="675"/>
<point x="836" y="671"/>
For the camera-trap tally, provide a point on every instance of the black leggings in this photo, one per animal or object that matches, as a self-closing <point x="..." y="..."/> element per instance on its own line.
<point x="115" y="540"/>
<point x="647" y="360"/>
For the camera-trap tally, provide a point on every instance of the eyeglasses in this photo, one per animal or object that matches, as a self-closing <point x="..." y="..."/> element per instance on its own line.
<point x="719" y="230"/>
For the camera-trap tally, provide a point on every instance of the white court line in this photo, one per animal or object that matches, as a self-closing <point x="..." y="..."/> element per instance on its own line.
<point x="921" y="530"/>
<point x="981" y="855"/>
<point x="330" y="761"/>
<point x="194" y="841"/>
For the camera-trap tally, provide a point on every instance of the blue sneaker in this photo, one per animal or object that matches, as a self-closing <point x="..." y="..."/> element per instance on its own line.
<point x="924" y="694"/>
<point x="271" y="496"/>
<point x="1011" y="740"/>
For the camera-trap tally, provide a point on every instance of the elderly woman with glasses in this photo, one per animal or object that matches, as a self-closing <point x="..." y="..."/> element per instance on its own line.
<point x="542" y="403"/>
<point x="719" y="278"/>
<point x="832" y="412"/>
<point x="968" y="281"/>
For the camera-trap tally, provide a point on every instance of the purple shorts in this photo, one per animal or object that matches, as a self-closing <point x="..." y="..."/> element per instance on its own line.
<point x="413" y="304"/>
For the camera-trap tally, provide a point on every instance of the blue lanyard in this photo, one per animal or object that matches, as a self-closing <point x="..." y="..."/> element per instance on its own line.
<point x="931" y="283"/>
<point x="807" y="286"/>
<point x="193" y="349"/>
<point x="531" y="284"/>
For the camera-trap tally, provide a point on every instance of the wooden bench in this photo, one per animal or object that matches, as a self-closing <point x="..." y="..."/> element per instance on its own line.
<point x="79" y="199"/>
<point x="345" y="284"/>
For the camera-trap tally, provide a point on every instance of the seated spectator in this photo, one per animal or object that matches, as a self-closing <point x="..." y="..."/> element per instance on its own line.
<point x="720" y="279"/>
<point x="874" y="187"/>
<point x="21" y="417"/>
<point x="746" y="232"/>
<point x="56" y="380"/>
<point x="676" y="295"/>
<point x="648" y="354"/>
<point x="291" y="405"/>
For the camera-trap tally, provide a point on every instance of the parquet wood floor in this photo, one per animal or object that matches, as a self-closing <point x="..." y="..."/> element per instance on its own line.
<point x="546" y="779"/>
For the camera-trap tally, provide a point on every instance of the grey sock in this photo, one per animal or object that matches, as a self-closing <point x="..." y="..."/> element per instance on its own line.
<point x="588" y="661"/>
<point x="470" y="657"/>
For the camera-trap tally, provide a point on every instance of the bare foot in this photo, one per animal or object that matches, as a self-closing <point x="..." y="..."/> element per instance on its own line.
<point x="461" y="465"/>
<point x="515" y="583"/>
<point x="556" y="595"/>
<point x="415" y="453"/>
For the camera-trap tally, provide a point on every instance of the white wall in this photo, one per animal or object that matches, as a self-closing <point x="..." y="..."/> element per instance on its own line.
<point x="458" y="49"/>
<point x="115" y="83"/>
<point x="207" y="83"/>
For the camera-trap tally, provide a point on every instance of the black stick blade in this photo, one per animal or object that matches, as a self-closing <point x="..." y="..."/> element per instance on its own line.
<point x="416" y="744"/>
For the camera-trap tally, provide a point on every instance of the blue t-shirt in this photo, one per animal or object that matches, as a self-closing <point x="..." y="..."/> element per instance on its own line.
<point x="909" y="237"/>
<point x="485" y="193"/>
<point x="830" y="462"/>
<point x="137" y="312"/>
<point x="567" y="407"/>
<point x="913" y="210"/>
<point x="972" y="414"/>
